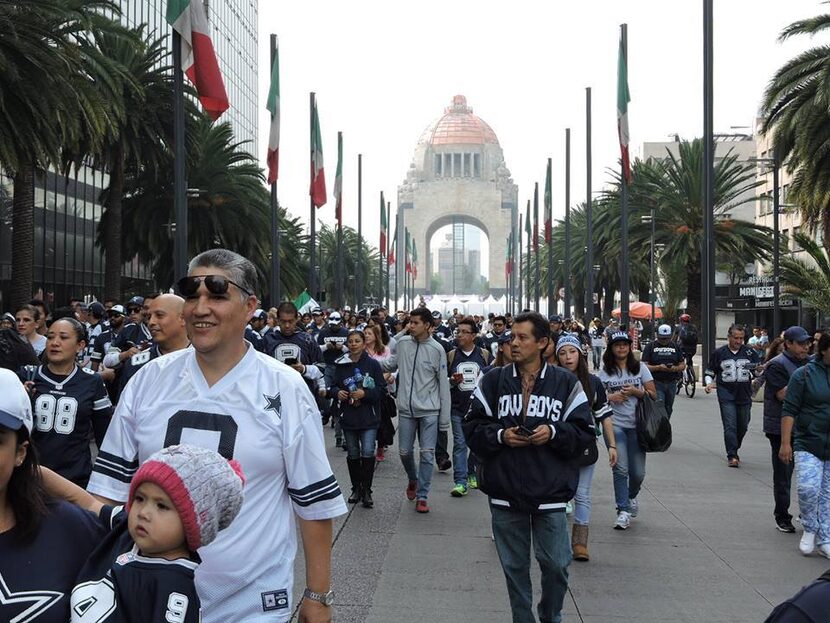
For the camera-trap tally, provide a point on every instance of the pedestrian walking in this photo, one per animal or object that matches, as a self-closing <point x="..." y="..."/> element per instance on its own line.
<point x="423" y="401"/>
<point x="596" y="331"/>
<point x="570" y="356"/>
<point x="357" y="387"/>
<point x="666" y="362"/>
<point x="626" y="381"/>
<point x="223" y="395"/>
<point x="730" y="372"/>
<point x="528" y="424"/>
<point x="805" y="438"/>
<point x="777" y="373"/>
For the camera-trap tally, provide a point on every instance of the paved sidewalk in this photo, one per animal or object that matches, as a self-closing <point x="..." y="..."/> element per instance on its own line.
<point x="704" y="547"/>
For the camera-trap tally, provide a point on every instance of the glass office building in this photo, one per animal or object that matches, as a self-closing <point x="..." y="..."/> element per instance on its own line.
<point x="67" y="209"/>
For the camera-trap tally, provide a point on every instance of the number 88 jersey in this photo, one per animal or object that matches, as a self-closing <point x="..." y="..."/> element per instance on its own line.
<point x="66" y="410"/>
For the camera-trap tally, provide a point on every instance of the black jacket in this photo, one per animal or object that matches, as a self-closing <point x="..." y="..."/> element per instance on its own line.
<point x="366" y="413"/>
<point x="533" y="478"/>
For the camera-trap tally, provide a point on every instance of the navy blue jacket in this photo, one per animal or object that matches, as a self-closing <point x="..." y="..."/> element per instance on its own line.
<point x="366" y="413"/>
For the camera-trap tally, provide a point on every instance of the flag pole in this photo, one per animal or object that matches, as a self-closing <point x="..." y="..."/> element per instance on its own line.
<point x="381" y="252"/>
<point x="388" y="248"/>
<point x="275" y="288"/>
<point x="549" y="236"/>
<point x="312" y="247"/>
<point x="339" y="209"/>
<point x="397" y="255"/>
<point x="179" y="170"/>
<point x="624" y="287"/>
<point x="589" y="244"/>
<point x="520" y="269"/>
<point x="567" y="272"/>
<point x="358" y="278"/>
<point x="529" y="276"/>
<point x="538" y="292"/>
<point x="707" y="311"/>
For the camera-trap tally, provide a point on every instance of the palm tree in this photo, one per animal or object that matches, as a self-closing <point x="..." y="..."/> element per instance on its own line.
<point x="795" y="111"/>
<point x="139" y="140"/>
<point x="357" y="258"/>
<point x="808" y="280"/>
<point x="673" y="187"/>
<point x="47" y="102"/>
<point x="228" y="206"/>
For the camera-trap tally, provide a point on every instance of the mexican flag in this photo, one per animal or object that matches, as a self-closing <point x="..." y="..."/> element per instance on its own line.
<point x="338" y="182"/>
<point x="623" y="97"/>
<point x="384" y="227"/>
<point x="391" y="257"/>
<point x="304" y="303"/>
<point x="414" y="261"/>
<point x="408" y="262"/>
<point x="199" y="62"/>
<point x="548" y="205"/>
<point x="273" y="106"/>
<point x="317" y="190"/>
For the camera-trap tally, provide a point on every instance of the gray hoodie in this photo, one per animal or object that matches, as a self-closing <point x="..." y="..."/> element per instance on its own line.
<point x="423" y="384"/>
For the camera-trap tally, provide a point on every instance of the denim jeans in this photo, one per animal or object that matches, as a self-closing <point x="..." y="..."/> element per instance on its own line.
<point x="441" y="444"/>
<point x="813" y="483"/>
<point x="426" y="428"/>
<point x="735" y="420"/>
<point x="667" y="391"/>
<point x="512" y="532"/>
<point x="360" y="443"/>
<point x="582" y="498"/>
<point x="459" y="449"/>
<point x="630" y="470"/>
<point x="597" y="353"/>
<point x="782" y="474"/>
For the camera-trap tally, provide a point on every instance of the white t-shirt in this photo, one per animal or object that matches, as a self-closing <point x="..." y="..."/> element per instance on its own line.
<point x="624" y="413"/>
<point x="262" y="414"/>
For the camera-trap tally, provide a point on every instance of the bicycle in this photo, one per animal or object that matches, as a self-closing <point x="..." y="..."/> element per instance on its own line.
<point x="687" y="381"/>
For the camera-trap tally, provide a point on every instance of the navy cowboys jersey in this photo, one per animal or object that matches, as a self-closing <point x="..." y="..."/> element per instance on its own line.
<point x="119" y="585"/>
<point x="261" y="414"/>
<point x="255" y="339"/>
<point x="132" y="365"/>
<point x="469" y="366"/>
<point x="491" y="342"/>
<point x="101" y="345"/>
<point x="37" y="578"/>
<point x="67" y="410"/>
<point x="733" y="373"/>
<point x="299" y="345"/>
<point x="328" y="335"/>
<point x="132" y="334"/>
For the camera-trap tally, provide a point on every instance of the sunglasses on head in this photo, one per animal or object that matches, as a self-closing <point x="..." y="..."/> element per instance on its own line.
<point x="215" y="284"/>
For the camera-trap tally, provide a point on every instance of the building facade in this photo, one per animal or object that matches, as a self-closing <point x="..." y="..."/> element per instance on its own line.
<point x="68" y="209"/>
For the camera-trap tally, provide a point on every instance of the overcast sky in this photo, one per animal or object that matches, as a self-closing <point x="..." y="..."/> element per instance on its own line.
<point x="384" y="70"/>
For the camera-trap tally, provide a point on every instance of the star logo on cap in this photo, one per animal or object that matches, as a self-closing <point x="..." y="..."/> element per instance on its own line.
<point x="274" y="403"/>
<point x="38" y="601"/>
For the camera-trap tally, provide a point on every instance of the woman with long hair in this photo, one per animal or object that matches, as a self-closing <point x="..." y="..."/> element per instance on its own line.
<point x="70" y="403"/>
<point x="569" y="355"/>
<point x="377" y="350"/>
<point x="43" y="544"/>
<point x="358" y="386"/>
<point x="27" y="317"/>
<point x="625" y="382"/>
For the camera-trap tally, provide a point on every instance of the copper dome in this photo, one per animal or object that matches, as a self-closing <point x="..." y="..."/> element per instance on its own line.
<point x="457" y="126"/>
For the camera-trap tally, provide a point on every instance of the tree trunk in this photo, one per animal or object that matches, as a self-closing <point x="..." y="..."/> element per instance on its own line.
<point x="23" y="236"/>
<point x="693" y="293"/>
<point x="607" y="300"/>
<point x="112" y="230"/>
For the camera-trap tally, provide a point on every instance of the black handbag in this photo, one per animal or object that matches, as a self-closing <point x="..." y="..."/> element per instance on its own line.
<point x="589" y="456"/>
<point x="653" y="425"/>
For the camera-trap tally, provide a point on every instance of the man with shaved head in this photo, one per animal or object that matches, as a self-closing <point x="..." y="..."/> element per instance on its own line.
<point x="167" y="328"/>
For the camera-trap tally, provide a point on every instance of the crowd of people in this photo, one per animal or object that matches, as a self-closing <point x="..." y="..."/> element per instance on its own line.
<point x="131" y="432"/>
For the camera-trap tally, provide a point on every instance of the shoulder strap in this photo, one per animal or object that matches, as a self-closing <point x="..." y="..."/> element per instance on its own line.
<point x="450" y="358"/>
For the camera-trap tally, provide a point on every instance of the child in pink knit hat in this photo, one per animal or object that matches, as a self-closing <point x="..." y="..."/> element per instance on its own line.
<point x="143" y="570"/>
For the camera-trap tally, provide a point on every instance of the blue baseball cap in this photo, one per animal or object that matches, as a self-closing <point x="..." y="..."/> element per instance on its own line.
<point x="797" y="334"/>
<point x="555" y="318"/>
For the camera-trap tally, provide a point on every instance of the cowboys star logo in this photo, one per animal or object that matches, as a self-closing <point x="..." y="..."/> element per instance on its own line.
<point x="273" y="403"/>
<point x="39" y="602"/>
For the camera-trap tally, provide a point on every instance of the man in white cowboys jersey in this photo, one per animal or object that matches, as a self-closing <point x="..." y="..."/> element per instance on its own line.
<point x="223" y="395"/>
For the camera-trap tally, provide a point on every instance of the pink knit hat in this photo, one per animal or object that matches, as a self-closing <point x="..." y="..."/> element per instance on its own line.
<point x="205" y="488"/>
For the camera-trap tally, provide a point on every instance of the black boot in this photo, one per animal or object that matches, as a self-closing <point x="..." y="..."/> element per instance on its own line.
<point x="355" y="477"/>
<point x="367" y="469"/>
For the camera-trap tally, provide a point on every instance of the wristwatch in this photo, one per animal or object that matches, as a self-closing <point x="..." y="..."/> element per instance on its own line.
<point x="327" y="599"/>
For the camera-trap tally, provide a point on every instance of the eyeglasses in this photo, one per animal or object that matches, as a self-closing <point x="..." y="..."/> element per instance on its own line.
<point x="215" y="284"/>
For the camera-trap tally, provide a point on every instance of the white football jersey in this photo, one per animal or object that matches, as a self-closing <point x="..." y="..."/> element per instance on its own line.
<point x="262" y="414"/>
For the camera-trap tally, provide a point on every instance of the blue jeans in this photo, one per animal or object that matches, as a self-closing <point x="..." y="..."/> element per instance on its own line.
<point x="512" y="532"/>
<point x="667" y="391"/>
<point x="582" y="498"/>
<point x="459" y="449"/>
<point x="597" y="353"/>
<point x="735" y="420"/>
<point x="630" y="470"/>
<point x="427" y="429"/>
<point x="360" y="443"/>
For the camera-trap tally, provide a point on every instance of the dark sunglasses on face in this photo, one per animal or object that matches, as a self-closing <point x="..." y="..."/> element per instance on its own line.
<point x="133" y="310"/>
<point x="215" y="284"/>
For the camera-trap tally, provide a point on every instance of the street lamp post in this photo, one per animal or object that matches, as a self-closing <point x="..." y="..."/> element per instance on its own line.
<point x="775" y="163"/>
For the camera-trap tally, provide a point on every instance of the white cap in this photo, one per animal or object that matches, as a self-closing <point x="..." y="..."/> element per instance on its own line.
<point x="335" y="318"/>
<point x="15" y="407"/>
<point x="664" y="330"/>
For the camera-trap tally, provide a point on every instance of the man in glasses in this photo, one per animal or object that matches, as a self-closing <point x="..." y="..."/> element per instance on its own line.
<point x="133" y="338"/>
<point x="491" y="338"/>
<point x="223" y="395"/>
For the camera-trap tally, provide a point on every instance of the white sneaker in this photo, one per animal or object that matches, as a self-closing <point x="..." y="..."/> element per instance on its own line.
<point x="807" y="543"/>
<point x="623" y="520"/>
<point x="634" y="507"/>
<point x="824" y="550"/>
